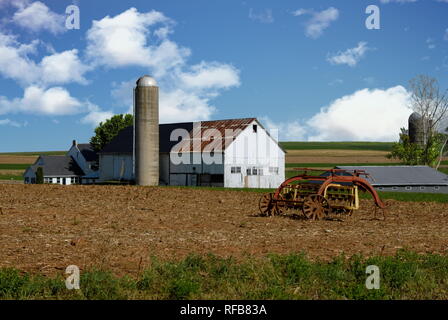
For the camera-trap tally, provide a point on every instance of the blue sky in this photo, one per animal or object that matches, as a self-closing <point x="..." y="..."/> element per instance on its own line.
<point x="309" y="68"/>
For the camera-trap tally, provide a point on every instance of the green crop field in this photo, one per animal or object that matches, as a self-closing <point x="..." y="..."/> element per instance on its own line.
<point x="10" y="177"/>
<point x="376" y="146"/>
<point x="406" y="275"/>
<point x="13" y="166"/>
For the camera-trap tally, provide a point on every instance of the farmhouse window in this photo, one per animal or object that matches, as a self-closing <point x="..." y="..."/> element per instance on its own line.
<point x="436" y="188"/>
<point x="235" y="170"/>
<point x="58" y="180"/>
<point x="408" y="188"/>
<point x="254" y="127"/>
<point x="249" y="172"/>
<point x="422" y="188"/>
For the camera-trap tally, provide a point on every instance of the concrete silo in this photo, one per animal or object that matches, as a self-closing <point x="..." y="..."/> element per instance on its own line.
<point x="418" y="129"/>
<point x="146" y="132"/>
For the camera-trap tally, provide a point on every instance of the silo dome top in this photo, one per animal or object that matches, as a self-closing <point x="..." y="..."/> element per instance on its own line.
<point x="415" y="117"/>
<point x="146" y="81"/>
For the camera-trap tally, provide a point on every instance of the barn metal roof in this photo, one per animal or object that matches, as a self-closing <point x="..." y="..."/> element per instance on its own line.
<point x="401" y="175"/>
<point x="216" y="134"/>
<point x="123" y="142"/>
<point x="57" y="166"/>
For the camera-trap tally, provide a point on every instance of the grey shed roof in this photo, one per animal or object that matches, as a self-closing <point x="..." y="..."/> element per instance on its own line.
<point x="87" y="151"/>
<point x="58" y="166"/>
<point x="402" y="175"/>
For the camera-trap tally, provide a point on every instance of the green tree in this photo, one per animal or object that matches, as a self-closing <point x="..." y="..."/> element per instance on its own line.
<point x="106" y="131"/>
<point x="413" y="154"/>
<point x="405" y="151"/>
<point x="39" y="175"/>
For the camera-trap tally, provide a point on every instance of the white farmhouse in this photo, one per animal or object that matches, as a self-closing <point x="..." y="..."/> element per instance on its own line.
<point x="78" y="166"/>
<point x="56" y="170"/>
<point x="236" y="153"/>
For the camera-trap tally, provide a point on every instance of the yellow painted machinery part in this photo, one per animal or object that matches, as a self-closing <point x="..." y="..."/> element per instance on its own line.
<point x="354" y="191"/>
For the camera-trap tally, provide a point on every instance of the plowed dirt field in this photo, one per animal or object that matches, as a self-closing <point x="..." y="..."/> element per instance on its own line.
<point x="44" y="229"/>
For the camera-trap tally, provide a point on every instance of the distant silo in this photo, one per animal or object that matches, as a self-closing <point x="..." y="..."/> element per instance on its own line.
<point x="416" y="129"/>
<point x="146" y="132"/>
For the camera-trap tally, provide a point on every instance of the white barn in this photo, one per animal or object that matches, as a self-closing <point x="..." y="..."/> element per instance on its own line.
<point x="235" y="153"/>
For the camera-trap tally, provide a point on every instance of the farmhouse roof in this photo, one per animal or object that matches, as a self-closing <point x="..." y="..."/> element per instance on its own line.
<point x="123" y="142"/>
<point x="401" y="175"/>
<point x="87" y="151"/>
<point x="57" y="166"/>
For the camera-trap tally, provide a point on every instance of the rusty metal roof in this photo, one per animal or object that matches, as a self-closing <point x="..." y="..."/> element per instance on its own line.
<point x="203" y="136"/>
<point x="213" y="135"/>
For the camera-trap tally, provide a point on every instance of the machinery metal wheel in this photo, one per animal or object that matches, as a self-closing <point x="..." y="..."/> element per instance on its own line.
<point x="280" y="205"/>
<point x="266" y="204"/>
<point x="316" y="207"/>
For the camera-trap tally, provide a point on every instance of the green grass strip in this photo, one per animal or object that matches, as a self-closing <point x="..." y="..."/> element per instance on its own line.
<point x="406" y="275"/>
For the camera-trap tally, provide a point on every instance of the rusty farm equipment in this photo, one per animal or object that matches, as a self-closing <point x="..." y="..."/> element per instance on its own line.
<point x="316" y="196"/>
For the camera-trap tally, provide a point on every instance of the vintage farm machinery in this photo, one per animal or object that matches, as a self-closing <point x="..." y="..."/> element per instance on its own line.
<point x="316" y="194"/>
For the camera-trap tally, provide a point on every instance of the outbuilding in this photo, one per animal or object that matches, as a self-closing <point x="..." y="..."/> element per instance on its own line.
<point x="404" y="178"/>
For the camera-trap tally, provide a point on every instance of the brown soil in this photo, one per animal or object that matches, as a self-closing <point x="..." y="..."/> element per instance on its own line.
<point x="46" y="228"/>
<point x="17" y="159"/>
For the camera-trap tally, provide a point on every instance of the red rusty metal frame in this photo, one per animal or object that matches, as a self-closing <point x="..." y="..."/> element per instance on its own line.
<point x="352" y="177"/>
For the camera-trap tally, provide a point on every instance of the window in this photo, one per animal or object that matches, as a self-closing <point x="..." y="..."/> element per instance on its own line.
<point x="436" y="188"/>
<point x="408" y="188"/>
<point x="58" y="180"/>
<point x="422" y="188"/>
<point x="254" y="171"/>
<point x="235" y="170"/>
<point x="394" y="188"/>
<point x="273" y="170"/>
<point x="249" y="172"/>
<point x="255" y="127"/>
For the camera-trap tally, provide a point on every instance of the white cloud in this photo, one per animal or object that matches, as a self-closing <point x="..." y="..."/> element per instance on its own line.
<point x="319" y="21"/>
<point x="365" y="115"/>
<point x="8" y="122"/>
<point x="210" y="75"/>
<point x="430" y="43"/>
<point x="350" y="57"/>
<point x="95" y="116"/>
<point x="287" y="131"/>
<point x="58" y="68"/>
<point x="37" y="16"/>
<point x="64" y="67"/>
<point x="123" y="40"/>
<point x="54" y="101"/>
<point x="263" y="17"/>
<point x="35" y="100"/>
